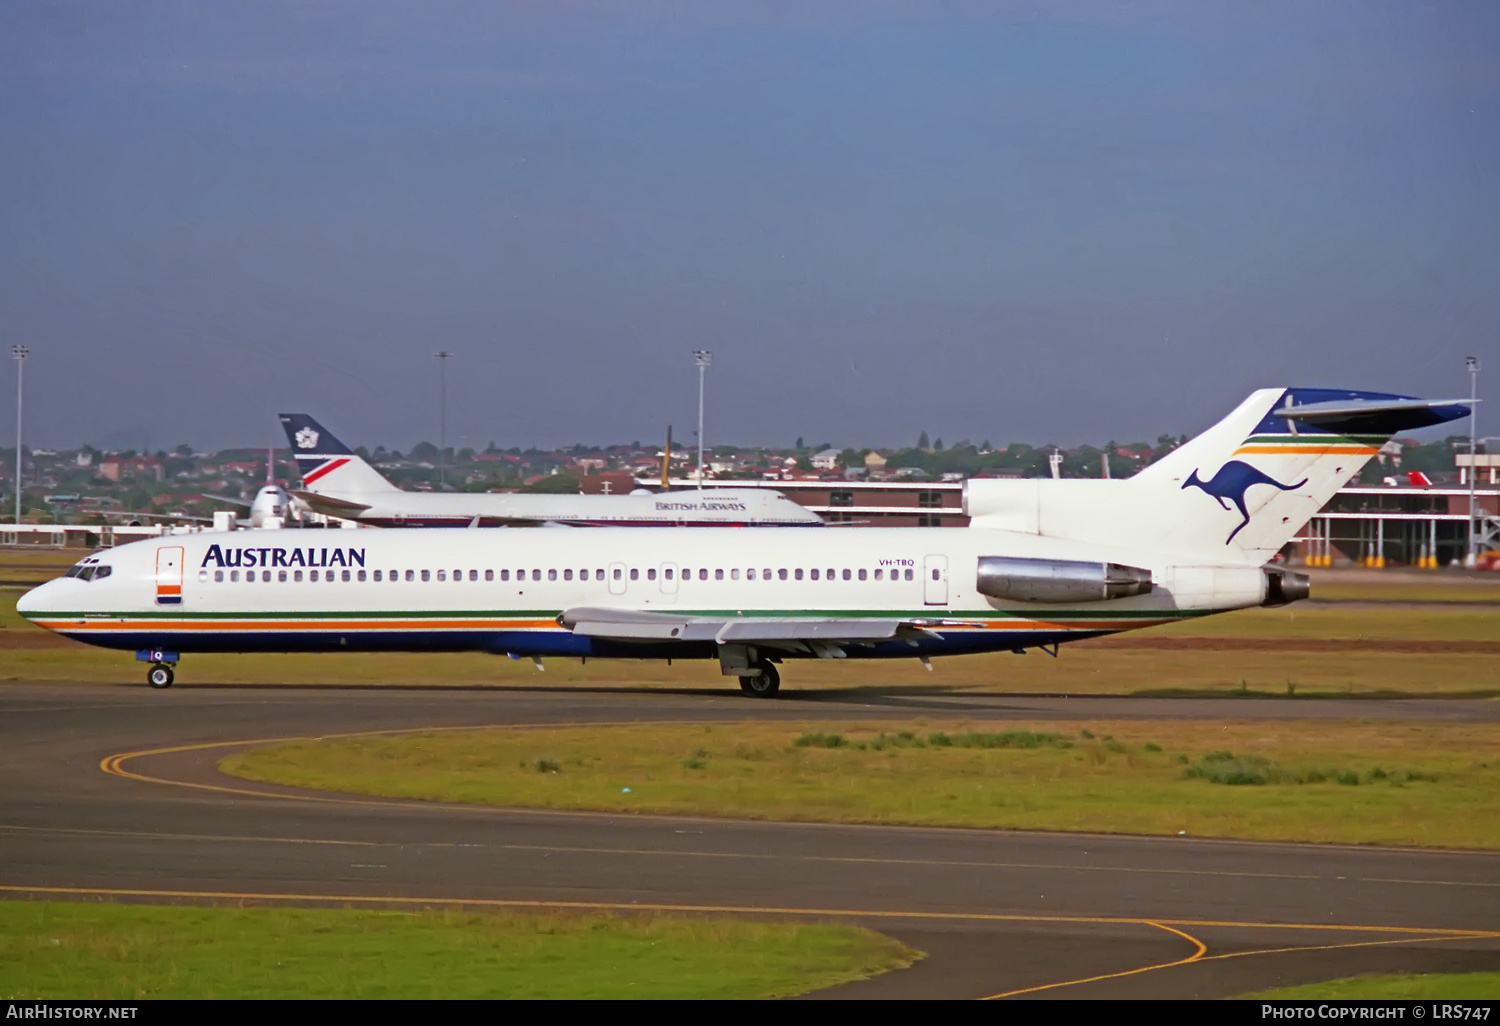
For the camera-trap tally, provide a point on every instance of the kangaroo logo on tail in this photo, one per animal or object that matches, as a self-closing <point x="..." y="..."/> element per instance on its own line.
<point x="1231" y="482"/>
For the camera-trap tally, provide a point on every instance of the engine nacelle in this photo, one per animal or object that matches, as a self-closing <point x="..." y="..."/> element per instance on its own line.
<point x="1017" y="579"/>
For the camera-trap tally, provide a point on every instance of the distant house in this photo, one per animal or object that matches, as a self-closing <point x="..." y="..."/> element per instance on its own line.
<point x="874" y="461"/>
<point x="828" y="459"/>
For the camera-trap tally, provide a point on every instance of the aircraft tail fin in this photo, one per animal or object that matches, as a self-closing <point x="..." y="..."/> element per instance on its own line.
<point x="327" y="464"/>
<point x="1247" y="485"/>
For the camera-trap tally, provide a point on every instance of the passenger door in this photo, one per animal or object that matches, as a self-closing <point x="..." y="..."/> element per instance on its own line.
<point x="668" y="578"/>
<point x="935" y="580"/>
<point x="617" y="578"/>
<point x="169" y="575"/>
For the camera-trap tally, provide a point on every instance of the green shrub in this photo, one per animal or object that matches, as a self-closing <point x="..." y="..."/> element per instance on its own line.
<point x="1152" y="746"/>
<point x="547" y="766"/>
<point x="821" y="740"/>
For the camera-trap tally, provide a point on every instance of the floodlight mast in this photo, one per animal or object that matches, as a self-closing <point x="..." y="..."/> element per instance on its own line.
<point x="1471" y="363"/>
<point x="19" y="353"/>
<point x="442" y="358"/>
<point x="704" y="358"/>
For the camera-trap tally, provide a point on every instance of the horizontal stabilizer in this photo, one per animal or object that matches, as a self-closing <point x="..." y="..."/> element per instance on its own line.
<point x="1375" y="416"/>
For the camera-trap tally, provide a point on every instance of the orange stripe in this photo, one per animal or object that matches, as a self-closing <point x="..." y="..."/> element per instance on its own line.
<point x="169" y="589"/>
<point x="1310" y="450"/>
<point x="72" y="626"/>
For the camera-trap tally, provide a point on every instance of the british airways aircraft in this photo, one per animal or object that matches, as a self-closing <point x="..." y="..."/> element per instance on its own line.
<point x="1044" y="562"/>
<point x="337" y="482"/>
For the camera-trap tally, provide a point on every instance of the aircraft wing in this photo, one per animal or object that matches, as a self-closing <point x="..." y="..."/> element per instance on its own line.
<point x="821" y="635"/>
<point x="331" y="507"/>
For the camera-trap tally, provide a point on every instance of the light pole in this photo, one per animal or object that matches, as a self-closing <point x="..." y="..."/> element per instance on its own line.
<point x="1472" y="364"/>
<point x="442" y="358"/>
<point x="20" y="353"/>
<point x="704" y="358"/>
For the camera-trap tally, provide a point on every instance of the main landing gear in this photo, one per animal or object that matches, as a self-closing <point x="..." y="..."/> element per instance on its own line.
<point x="764" y="683"/>
<point x="160" y="676"/>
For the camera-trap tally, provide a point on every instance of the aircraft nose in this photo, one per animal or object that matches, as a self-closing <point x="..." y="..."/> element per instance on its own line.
<point x="35" y="602"/>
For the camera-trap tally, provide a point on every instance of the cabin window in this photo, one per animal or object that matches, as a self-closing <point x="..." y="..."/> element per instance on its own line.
<point x="489" y="575"/>
<point x="619" y="574"/>
<point x="411" y="575"/>
<point x="651" y="573"/>
<point x="703" y="573"/>
<point x="813" y="573"/>
<point x="797" y="573"/>
<point x="361" y="575"/>
<point x="879" y="574"/>
<point x="234" y="575"/>
<point x="345" y="576"/>
<point x="734" y="575"/>
<point x="750" y="574"/>
<point x="635" y="575"/>
<point x="218" y="575"/>
<point x="583" y="575"/>
<point x="202" y="576"/>
<point x="766" y="574"/>
<point x="312" y="575"/>
<point x="281" y="577"/>
<point x="781" y="574"/>
<point x="474" y="575"/>
<point x="667" y="573"/>
<point x="505" y="575"/>
<point x="935" y="575"/>
<point x="536" y="575"/>
<point x="567" y="575"/>
<point x="442" y="575"/>
<point x="379" y="576"/>
<point x="908" y="574"/>
<point x="719" y="574"/>
<point x="458" y="575"/>
<point x="598" y="575"/>
<point x="551" y="575"/>
<point x="297" y="576"/>
<point x="426" y="575"/>
<point x="846" y="574"/>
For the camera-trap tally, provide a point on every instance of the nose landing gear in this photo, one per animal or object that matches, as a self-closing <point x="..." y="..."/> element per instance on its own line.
<point x="160" y="675"/>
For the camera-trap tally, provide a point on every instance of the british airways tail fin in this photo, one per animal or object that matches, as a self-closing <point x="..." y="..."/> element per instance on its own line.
<point x="327" y="464"/>
<point x="1234" y="494"/>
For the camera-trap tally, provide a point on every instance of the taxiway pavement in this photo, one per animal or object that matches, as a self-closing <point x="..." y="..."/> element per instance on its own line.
<point x="998" y="912"/>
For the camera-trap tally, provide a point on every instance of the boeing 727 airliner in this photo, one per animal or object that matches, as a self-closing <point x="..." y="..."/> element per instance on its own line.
<point x="1044" y="562"/>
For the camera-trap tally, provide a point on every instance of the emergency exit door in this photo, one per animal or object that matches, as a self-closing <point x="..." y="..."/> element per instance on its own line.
<point x="935" y="580"/>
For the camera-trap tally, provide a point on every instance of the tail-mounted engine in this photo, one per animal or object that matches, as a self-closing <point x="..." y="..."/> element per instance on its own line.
<point x="1017" y="579"/>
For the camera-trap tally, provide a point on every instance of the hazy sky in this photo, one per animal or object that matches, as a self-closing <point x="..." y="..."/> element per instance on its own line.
<point x="1035" y="222"/>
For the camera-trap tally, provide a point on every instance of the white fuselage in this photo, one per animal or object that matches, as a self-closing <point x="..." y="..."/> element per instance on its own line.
<point x="505" y="590"/>
<point x="722" y="507"/>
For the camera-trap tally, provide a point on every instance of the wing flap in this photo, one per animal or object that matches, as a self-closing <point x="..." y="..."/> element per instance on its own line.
<point x="640" y="625"/>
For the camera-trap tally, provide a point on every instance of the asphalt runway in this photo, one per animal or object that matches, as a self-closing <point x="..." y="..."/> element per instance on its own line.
<point x="112" y="791"/>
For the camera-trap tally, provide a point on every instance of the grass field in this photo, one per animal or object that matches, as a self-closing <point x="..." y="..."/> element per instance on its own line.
<point x="1367" y="783"/>
<point x="81" y="951"/>
<point x="1393" y="987"/>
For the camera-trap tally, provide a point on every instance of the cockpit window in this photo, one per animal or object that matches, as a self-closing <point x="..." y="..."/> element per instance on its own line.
<point x="87" y="571"/>
<point x="102" y="572"/>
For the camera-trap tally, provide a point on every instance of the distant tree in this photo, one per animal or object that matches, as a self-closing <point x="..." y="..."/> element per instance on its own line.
<point x="922" y="442"/>
<point x="554" y="484"/>
<point x="986" y="446"/>
<point x="361" y="452"/>
<point x="799" y="446"/>
<point x="937" y="446"/>
<point x="185" y="451"/>
<point x="424" y="451"/>
<point x="804" y="463"/>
